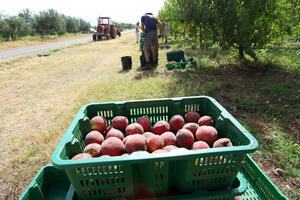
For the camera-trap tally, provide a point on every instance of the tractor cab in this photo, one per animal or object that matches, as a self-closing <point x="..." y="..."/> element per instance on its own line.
<point x="104" y="21"/>
<point x="104" y="24"/>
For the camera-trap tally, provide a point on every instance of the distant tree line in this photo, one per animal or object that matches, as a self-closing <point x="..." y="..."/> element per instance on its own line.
<point x="48" y="22"/>
<point x="124" y="25"/>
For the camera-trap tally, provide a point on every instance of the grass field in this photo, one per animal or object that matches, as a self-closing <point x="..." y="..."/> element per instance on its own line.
<point x="36" y="40"/>
<point x="39" y="96"/>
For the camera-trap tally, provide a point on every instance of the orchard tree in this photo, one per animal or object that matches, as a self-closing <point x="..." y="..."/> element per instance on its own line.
<point x="231" y="23"/>
<point x="72" y="25"/>
<point x="83" y="25"/>
<point x="27" y="22"/>
<point x="289" y="20"/>
<point x="1" y="24"/>
<point x="41" y="23"/>
<point x="4" y="28"/>
<point x="49" y="22"/>
<point x="173" y="14"/>
<point x="12" y="26"/>
<point x="241" y="23"/>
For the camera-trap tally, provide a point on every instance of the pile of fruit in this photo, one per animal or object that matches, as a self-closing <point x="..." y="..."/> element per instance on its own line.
<point x="122" y="138"/>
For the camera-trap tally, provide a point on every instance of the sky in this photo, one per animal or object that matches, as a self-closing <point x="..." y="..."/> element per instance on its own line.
<point x="128" y="11"/>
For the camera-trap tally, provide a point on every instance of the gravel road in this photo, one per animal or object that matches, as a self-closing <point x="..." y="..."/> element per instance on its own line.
<point x="38" y="48"/>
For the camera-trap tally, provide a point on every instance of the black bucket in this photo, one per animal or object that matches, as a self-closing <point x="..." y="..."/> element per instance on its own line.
<point x="126" y="62"/>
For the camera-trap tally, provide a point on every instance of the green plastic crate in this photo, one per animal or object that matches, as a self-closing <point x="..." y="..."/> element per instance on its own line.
<point x="180" y="170"/>
<point x="55" y="186"/>
<point x="50" y="183"/>
<point x="176" y="55"/>
<point x="259" y="186"/>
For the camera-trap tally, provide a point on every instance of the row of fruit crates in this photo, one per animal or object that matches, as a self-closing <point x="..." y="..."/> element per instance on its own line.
<point x="53" y="184"/>
<point x="142" y="174"/>
<point x="153" y="174"/>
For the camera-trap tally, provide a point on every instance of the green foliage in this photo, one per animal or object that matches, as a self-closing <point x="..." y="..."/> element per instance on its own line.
<point x="49" y="22"/>
<point x="123" y="25"/>
<point x="83" y="25"/>
<point x="289" y="20"/>
<point x="172" y="14"/>
<point x="45" y="23"/>
<point x="72" y="25"/>
<point x="27" y="22"/>
<point x="240" y="24"/>
<point x="12" y="27"/>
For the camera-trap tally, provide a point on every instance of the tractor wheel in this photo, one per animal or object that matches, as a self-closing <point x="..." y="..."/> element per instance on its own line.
<point x="94" y="37"/>
<point x="113" y="32"/>
<point x="107" y="37"/>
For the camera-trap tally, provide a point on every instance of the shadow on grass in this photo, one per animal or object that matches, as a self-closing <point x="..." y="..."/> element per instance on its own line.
<point x="146" y="74"/>
<point x="258" y="91"/>
<point x="260" y="100"/>
<point x="122" y="71"/>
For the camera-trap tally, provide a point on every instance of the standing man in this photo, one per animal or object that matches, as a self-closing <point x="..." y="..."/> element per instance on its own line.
<point x="166" y="32"/>
<point x="149" y="27"/>
<point x="137" y="26"/>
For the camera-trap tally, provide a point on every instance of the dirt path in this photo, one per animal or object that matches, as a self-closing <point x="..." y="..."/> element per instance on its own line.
<point x="37" y="98"/>
<point x="38" y="48"/>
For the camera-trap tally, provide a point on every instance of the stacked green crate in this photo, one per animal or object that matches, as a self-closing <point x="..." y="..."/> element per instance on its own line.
<point x="142" y="38"/>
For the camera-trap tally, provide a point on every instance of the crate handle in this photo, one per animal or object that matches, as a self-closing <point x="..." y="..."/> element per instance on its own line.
<point x="252" y="143"/>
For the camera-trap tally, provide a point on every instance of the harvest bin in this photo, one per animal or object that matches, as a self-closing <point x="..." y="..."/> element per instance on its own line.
<point x="153" y="174"/>
<point x="50" y="183"/>
<point x="53" y="184"/>
<point x="176" y="55"/>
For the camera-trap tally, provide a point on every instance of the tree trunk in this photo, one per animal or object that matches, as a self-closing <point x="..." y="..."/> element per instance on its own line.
<point x="241" y="52"/>
<point x="200" y="37"/>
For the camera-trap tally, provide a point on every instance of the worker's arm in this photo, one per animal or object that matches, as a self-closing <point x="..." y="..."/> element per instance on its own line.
<point x="160" y="25"/>
<point x="143" y="27"/>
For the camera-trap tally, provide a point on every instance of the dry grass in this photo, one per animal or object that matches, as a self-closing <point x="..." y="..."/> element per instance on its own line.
<point x="36" y="40"/>
<point x="39" y="96"/>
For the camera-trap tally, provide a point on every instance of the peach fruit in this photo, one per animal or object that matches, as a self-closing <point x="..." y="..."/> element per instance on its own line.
<point x="136" y="142"/>
<point x="134" y="128"/>
<point x="112" y="146"/>
<point x="222" y="142"/>
<point x="155" y="142"/>
<point x="120" y="122"/>
<point x="176" y="122"/>
<point x="115" y="133"/>
<point x="192" y="117"/>
<point x="159" y="151"/>
<point x="169" y="138"/>
<point x="98" y="123"/>
<point x="125" y="139"/>
<point x="160" y="127"/>
<point x="184" y="138"/>
<point x="93" y="137"/>
<point x="82" y="156"/>
<point x="145" y="122"/>
<point x="205" y="121"/>
<point x="169" y="147"/>
<point x="191" y="127"/>
<point x="207" y="133"/>
<point x="200" y="145"/>
<point x="94" y="149"/>
<point x="147" y="135"/>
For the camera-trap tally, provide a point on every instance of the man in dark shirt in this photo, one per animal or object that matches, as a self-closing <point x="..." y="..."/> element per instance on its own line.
<point x="149" y="27"/>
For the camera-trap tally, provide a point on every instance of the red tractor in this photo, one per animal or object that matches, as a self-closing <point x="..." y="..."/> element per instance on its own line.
<point x="106" y="29"/>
